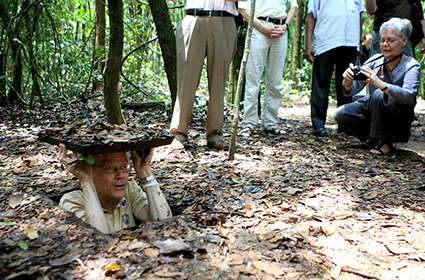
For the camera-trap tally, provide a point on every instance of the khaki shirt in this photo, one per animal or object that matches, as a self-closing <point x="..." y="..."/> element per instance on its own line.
<point x="134" y="206"/>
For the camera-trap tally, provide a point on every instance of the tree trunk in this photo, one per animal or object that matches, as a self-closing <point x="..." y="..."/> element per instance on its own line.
<point x="31" y="24"/>
<point x="113" y="64"/>
<point x="235" y="123"/>
<point x="15" y="50"/>
<point x="167" y="42"/>
<point x="3" y="100"/>
<point x="4" y="17"/>
<point x="99" y="43"/>
<point x="296" y="50"/>
<point x="16" y="89"/>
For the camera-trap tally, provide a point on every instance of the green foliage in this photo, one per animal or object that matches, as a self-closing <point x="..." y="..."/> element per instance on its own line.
<point x="56" y="39"/>
<point x="87" y="159"/>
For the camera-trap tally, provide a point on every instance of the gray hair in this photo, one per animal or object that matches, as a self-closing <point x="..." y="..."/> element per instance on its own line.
<point x="401" y="25"/>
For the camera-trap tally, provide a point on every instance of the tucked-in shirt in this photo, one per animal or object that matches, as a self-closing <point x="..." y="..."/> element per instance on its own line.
<point x="268" y="8"/>
<point x="402" y="82"/>
<point x="337" y="23"/>
<point x="132" y="207"/>
<point x="219" y="5"/>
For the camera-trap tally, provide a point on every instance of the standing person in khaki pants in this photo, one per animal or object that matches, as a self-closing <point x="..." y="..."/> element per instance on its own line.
<point x="207" y="30"/>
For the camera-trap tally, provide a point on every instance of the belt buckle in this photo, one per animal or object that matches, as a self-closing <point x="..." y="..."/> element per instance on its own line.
<point x="209" y="13"/>
<point x="195" y="12"/>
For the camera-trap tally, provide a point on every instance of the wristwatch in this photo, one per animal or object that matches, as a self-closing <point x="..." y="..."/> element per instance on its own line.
<point x="147" y="179"/>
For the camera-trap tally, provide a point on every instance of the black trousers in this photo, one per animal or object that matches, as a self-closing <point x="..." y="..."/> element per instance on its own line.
<point x="324" y="65"/>
<point x="373" y="118"/>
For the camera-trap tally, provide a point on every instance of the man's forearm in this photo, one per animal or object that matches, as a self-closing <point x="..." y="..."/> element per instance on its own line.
<point x="309" y="30"/>
<point x="291" y="15"/>
<point x="256" y="24"/>
<point x="94" y="215"/>
<point x="157" y="204"/>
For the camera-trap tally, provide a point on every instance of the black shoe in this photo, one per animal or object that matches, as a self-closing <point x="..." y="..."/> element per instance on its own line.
<point x="320" y="132"/>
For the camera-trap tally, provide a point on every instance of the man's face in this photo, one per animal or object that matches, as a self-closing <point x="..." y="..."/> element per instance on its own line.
<point x="110" y="175"/>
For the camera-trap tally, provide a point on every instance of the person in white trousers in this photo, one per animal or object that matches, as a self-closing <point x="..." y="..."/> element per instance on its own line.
<point x="269" y="45"/>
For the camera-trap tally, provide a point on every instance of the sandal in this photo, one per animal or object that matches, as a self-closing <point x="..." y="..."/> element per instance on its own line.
<point x="383" y="148"/>
<point x="274" y="131"/>
<point x="246" y="131"/>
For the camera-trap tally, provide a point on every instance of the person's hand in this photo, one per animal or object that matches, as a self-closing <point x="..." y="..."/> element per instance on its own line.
<point x="423" y="45"/>
<point x="141" y="162"/>
<point x="372" y="77"/>
<point x="73" y="164"/>
<point x="308" y="53"/>
<point x="273" y="32"/>
<point x="348" y="76"/>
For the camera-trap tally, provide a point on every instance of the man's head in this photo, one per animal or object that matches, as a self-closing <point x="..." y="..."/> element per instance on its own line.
<point x="110" y="176"/>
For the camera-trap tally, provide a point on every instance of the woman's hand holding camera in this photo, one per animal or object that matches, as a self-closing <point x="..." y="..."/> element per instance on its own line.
<point x="372" y="77"/>
<point x="348" y="76"/>
<point x="366" y="75"/>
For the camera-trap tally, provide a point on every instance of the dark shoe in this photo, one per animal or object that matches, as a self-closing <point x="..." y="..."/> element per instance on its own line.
<point x="320" y="132"/>
<point x="274" y="131"/>
<point x="215" y="141"/>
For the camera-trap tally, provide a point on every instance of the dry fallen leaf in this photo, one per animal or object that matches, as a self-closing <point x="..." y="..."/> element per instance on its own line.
<point x="15" y="200"/>
<point x="151" y="252"/>
<point x="63" y="260"/>
<point x="113" y="268"/>
<point x="336" y="271"/>
<point x="138" y="245"/>
<point x="268" y="267"/>
<point x="31" y="232"/>
<point x="171" y="246"/>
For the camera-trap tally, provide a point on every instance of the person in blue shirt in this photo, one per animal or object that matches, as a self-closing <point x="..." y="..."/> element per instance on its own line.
<point x="333" y="36"/>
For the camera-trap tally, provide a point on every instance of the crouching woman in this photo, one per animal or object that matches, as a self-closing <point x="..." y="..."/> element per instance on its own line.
<point x="384" y="116"/>
<point x="107" y="200"/>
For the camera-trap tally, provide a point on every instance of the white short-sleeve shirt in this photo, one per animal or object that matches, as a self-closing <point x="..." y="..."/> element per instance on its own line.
<point x="337" y="23"/>
<point x="268" y="8"/>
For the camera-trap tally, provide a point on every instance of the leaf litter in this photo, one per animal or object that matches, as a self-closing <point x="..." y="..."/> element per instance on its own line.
<point x="296" y="207"/>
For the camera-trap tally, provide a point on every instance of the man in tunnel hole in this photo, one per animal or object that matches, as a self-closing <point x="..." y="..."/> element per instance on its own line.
<point x="108" y="201"/>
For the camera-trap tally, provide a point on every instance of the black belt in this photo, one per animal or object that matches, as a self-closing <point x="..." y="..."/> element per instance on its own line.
<point x="208" y="13"/>
<point x="279" y="21"/>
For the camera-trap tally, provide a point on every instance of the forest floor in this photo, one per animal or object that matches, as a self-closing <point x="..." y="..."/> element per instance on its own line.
<point x="288" y="207"/>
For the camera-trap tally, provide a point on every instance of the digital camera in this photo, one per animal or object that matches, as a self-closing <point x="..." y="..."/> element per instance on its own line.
<point x="358" y="76"/>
